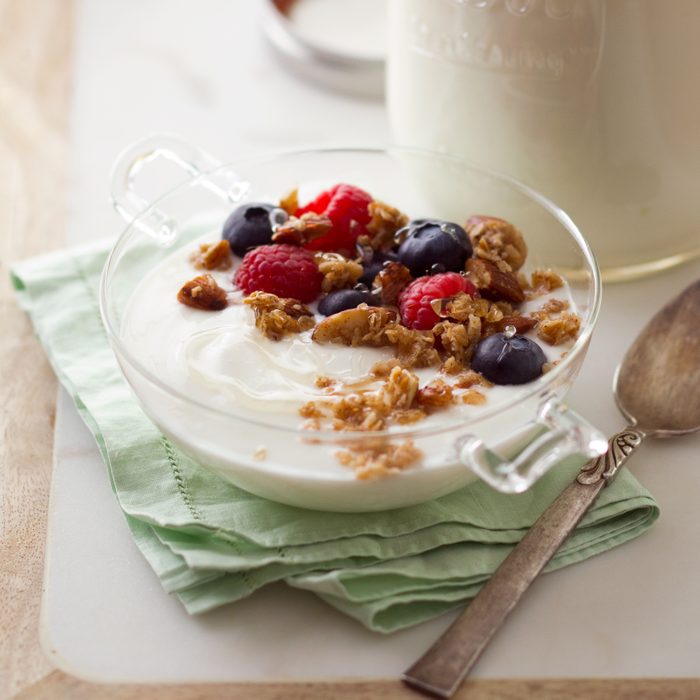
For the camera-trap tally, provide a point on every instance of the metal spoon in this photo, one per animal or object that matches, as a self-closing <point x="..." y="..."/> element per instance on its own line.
<point x="657" y="388"/>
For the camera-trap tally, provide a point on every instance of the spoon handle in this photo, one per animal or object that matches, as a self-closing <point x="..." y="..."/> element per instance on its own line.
<point x="441" y="670"/>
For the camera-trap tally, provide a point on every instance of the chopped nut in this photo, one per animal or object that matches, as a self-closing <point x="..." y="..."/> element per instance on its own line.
<point x="391" y="280"/>
<point x="494" y="283"/>
<point x="473" y="397"/>
<point x="436" y="394"/>
<point x="498" y="241"/>
<point x="384" y="223"/>
<point x="290" y="202"/>
<point x="204" y="293"/>
<point x="338" y="272"/>
<point x="297" y="231"/>
<point x="363" y="325"/>
<point x="543" y="282"/>
<point x="276" y="317"/>
<point x="212" y="256"/>
<point x="558" y="330"/>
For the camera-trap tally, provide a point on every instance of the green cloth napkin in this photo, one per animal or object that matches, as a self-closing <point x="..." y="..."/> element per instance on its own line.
<point x="211" y="543"/>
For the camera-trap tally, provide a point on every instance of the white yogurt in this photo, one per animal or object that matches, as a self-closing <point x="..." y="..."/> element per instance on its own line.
<point x="221" y="359"/>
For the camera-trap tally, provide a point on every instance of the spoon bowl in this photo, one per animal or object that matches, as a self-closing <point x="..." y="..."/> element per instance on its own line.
<point x="657" y="385"/>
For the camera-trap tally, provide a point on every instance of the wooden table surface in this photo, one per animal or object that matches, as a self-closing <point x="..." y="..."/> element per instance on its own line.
<point x="35" y="82"/>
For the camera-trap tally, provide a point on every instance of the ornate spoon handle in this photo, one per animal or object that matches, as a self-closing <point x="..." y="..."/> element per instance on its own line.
<point x="441" y="670"/>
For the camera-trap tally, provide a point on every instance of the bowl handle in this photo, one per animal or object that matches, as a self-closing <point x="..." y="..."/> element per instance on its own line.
<point x="558" y="433"/>
<point x="197" y="164"/>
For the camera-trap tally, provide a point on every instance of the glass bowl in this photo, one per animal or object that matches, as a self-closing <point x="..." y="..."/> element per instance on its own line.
<point x="509" y="445"/>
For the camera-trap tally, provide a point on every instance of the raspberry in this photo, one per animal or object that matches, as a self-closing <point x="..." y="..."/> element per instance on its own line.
<point x="414" y="301"/>
<point x="347" y="207"/>
<point x="285" y="270"/>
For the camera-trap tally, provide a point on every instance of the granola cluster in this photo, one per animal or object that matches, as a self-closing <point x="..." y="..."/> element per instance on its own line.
<point x="203" y="292"/>
<point x="338" y="271"/>
<point x="212" y="256"/>
<point x="276" y="317"/>
<point x="377" y="458"/>
<point x="556" y="325"/>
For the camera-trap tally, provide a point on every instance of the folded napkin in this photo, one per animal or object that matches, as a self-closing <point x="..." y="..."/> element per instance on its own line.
<point x="211" y="543"/>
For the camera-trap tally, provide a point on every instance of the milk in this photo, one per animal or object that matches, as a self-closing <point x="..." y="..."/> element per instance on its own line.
<point x="593" y="103"/>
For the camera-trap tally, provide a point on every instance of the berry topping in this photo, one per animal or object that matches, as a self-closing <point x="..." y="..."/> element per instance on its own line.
<point x="414" y="301"/>
<point x="347" y="208"/>
<point x="430" y="242"/>
<point x="249" y="226"/>
<point x="374" y="265"/>
<point x="345" y="299"/>
<point x="285" y="270"/>
<point x="505" y="358"/>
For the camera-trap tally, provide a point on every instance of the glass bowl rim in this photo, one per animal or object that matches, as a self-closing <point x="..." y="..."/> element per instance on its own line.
<point x="533" y="388"/>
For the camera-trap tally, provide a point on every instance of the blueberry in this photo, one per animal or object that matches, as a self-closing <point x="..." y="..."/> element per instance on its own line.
<point x="248" y="227"/>
<point x="345" y="299"/>
<point x="431" y="242"/>
<point x="372" y="268"/>
<point x="508" y="359"/>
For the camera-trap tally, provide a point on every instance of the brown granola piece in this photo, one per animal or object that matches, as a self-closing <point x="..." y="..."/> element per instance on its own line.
<point x="494" y="283"/>
<point x="202" y="292"/>
<point x="384" y="367"/>
<point x="543" y="282"/>
<point x="413" y="348"/>
<point x="436" y="394"/>
<point x="458" y="339"/>
<point x="310" y="410"/>
<point x="392" y="279"/>
<point x="307" y="227"/>
<point x="451" y="366"/>
<point x="324" y="382"/>
<point x="550" y="308"/>
<point x="474" y="397"/>
<point x="471" y="378"/>
<point x="372" y="459"/>
<point x="549" y="366"/>
<point x="559" y="329"/>
<point x="338" y="272"/>
<point x="276" y="317"/>
<point x="212" y="256"/>
<point x="290" y="202"/>
<point x="399" y="389"/>
<point x="385" y="221"/>
<point x="461" y="306"/>
<point x="363" y="325"/>
<point x="408" y="415"/>
<point x="497" y="241"/>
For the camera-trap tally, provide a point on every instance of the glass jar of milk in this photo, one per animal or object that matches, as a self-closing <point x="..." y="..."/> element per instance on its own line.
<point x="596" y="103"/>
